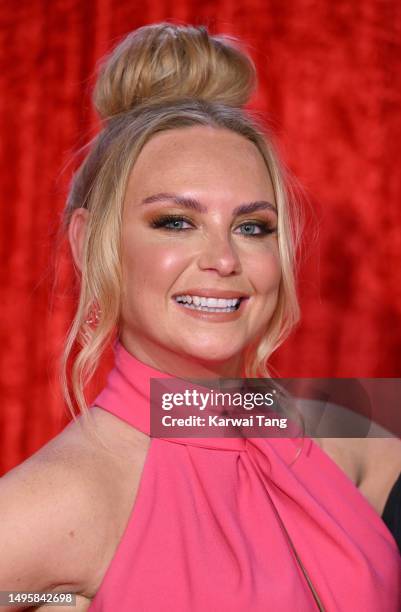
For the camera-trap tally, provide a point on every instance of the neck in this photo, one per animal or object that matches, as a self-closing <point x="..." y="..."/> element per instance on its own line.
<point x="181" y="365"/>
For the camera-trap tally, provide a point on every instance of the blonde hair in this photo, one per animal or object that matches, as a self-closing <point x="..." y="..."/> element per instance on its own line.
<point x="163" y="77"/>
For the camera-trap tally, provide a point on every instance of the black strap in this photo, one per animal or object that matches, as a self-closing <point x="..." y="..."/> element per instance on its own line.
<point x="392" y="511"/>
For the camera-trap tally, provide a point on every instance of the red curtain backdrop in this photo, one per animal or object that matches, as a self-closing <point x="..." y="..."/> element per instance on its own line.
<point x="329" y="86"/>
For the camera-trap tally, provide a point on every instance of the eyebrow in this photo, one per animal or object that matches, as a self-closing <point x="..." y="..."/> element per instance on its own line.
<point x="191" y="203"/>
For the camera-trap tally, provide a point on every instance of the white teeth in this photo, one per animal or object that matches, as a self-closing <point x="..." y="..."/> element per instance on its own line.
<point x="211" y="304"/>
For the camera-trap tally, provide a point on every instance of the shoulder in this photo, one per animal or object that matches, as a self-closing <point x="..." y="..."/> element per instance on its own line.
<point x="63" y="509"/>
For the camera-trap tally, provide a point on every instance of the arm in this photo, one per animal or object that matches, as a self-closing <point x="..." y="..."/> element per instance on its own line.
<point x="48" y="513"/>
<point x="381" y="458"/>
<point x="372" y="461"/>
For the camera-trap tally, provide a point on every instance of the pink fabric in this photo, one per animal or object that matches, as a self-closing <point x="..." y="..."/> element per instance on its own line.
<point x="207" y="528"/>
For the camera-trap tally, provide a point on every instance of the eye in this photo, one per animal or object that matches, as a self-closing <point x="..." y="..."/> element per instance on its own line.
<point x="256" y="228"/>
<point x="171" y="222"/>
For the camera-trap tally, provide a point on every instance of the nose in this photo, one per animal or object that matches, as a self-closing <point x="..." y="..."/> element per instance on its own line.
<point x="219" y="254"/>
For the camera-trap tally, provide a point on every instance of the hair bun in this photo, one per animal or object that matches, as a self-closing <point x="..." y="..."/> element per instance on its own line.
<point x="165" y="62"/>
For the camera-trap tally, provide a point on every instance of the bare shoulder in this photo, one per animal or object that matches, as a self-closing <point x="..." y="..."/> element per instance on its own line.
<point x="64" y="509"/>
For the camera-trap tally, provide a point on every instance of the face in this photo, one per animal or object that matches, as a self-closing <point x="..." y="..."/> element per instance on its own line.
<point x="201" y="268"/>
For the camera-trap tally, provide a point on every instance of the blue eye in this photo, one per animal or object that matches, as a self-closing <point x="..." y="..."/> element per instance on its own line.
<point x="176" y="224"/>
<point x="171" y="222"/>
<point x="263" y="228"/>
<point x="249" y="228"/>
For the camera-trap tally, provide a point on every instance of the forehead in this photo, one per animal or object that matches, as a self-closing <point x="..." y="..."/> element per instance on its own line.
<point x="202" y="159"/>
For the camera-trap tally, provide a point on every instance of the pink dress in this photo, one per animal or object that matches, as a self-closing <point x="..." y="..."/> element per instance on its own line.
<point x="227" y="524"/>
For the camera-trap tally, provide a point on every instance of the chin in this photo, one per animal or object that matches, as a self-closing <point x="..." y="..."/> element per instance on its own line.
<point x="211" y="354"/>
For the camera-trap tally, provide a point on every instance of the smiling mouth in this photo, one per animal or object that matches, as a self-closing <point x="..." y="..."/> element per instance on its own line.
<point x="210" y="304"/>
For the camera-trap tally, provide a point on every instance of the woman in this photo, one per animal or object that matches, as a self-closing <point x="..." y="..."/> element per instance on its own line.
<point x="181" y="231"/>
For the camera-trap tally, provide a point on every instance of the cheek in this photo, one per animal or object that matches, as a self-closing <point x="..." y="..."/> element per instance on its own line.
<point x="154" y="266"/>
<point x="265" y="272"/>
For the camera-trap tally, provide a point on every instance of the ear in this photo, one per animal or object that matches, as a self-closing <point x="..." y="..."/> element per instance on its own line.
<point x="76" y="234"/>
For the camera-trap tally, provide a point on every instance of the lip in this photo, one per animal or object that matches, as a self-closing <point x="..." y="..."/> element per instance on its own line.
<point x="218" y="293"/>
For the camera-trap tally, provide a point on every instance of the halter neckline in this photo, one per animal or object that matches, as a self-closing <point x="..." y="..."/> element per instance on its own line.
<point x="128" y="385"/>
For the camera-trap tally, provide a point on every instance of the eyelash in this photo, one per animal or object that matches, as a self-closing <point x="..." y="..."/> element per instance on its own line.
<point x="162" y="221"/>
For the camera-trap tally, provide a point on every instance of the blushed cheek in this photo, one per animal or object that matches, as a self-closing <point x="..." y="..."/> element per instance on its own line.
<point x="267" y="273"/>
<point x="154" y="267"/>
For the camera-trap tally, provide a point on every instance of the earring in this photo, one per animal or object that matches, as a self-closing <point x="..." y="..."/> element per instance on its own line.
<point x="93" y="316"/>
